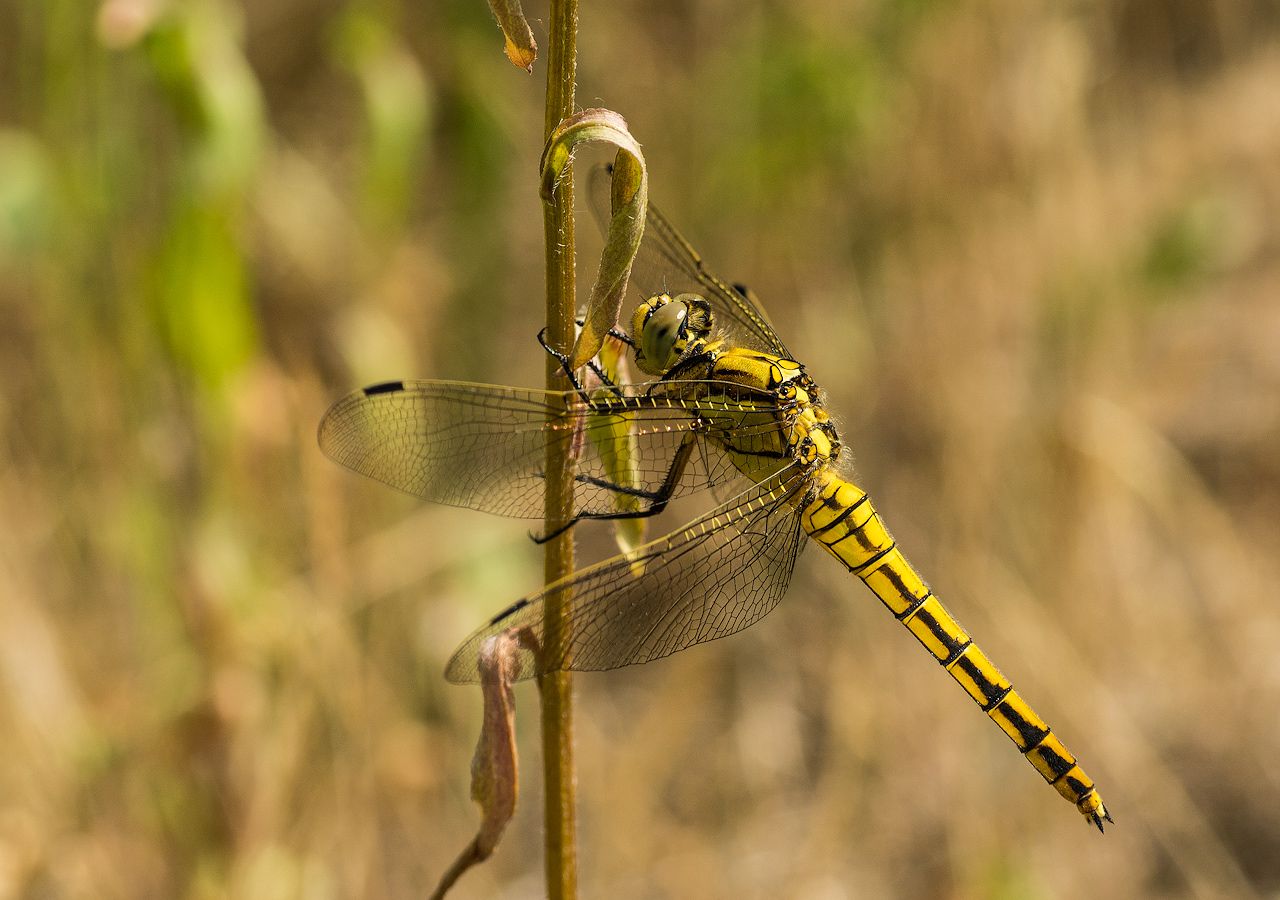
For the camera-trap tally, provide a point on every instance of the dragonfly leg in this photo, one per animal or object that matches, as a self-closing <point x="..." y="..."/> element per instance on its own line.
<point x="680" y="369"/>
<point x="605" y="379"/>
<point x="622" y="336"/>
<point x="618" y="488"/>
<point x="612" y="332"/>
<point x="564" y="364"/>
<point x="660" y="497"/>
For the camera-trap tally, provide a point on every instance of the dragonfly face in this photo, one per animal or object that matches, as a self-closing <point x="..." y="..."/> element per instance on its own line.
<point x="668" y="330"/>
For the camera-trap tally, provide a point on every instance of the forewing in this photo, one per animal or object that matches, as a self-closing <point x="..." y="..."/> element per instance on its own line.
<point x="484" y="447"/>
<point x="666" y="263"/>
<point x="710" y="579"/>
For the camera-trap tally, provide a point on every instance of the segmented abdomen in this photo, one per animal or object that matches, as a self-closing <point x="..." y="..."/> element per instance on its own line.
<point x="840" y="517"/>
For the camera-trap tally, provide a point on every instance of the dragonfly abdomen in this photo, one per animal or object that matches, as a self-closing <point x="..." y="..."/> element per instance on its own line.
<point x="840" y="517"/>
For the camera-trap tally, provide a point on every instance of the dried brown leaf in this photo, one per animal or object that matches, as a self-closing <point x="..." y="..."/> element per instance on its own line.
<point x="521" y="48"/>
<point x="495" y="782"/>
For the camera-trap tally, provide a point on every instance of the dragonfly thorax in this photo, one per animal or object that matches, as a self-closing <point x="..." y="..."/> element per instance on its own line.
<point x="668" y="330"/>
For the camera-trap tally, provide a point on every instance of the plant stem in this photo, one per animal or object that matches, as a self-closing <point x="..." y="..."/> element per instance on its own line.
<point x="557" y="687"/>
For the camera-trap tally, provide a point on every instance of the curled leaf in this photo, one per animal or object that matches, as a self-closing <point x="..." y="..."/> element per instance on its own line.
<point x="494" y="770"/>
<point x="630" y="192"/>
<point x="521" y="48"/>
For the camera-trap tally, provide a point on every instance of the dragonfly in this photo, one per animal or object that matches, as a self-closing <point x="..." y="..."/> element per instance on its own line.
<point x="729" y="411"/>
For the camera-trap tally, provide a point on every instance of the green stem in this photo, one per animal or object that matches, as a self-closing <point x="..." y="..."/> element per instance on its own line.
<point x="557" y="687"/>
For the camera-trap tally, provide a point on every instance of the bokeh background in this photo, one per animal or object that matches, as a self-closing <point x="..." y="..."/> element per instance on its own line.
<point x="1028" y="247"/>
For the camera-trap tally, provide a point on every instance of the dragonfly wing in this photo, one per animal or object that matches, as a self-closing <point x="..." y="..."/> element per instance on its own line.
<point x="666" y="263"/>
<point x="713" y="578"/>
<point x="484" y="447"/>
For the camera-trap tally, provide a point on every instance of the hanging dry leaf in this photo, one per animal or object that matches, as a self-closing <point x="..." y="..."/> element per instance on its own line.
<point x="494" y="770"/>
<point x="521" y="48"/>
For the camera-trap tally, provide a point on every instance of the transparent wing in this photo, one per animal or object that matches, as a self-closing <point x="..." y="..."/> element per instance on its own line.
<point x="667" y="264"/>
<point x="710" y="579"/>
<point x="484" y="447"/>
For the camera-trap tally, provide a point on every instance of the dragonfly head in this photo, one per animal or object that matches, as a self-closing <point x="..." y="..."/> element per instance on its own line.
<point x="668" y="329"/>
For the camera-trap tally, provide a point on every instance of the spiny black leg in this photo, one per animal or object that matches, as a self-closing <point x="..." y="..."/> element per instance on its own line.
<point x="618" y="488"/>
<point x="573" y="379"/>
<point x="675" y="371"/>
<point x="612" y="332"/>
<point x="605" y="379"/>
<point x="564" y="364"/>
<point x="622" y="336"/>
<point x="657" y="507"/>
<point x="551" y="535"/>
<point x="659" y="497"/>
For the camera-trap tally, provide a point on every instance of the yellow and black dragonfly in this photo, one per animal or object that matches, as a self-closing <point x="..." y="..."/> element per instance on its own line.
<point x="729" y="411"/>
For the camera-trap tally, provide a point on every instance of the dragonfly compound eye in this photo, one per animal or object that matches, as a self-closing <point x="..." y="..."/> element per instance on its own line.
<point x="663" y="337"/>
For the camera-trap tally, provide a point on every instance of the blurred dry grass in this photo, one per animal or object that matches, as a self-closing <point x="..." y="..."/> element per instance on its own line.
<point x="1029" y="248"/>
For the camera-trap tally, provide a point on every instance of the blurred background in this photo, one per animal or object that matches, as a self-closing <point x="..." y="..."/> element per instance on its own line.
<point x="1029" y="248"/>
